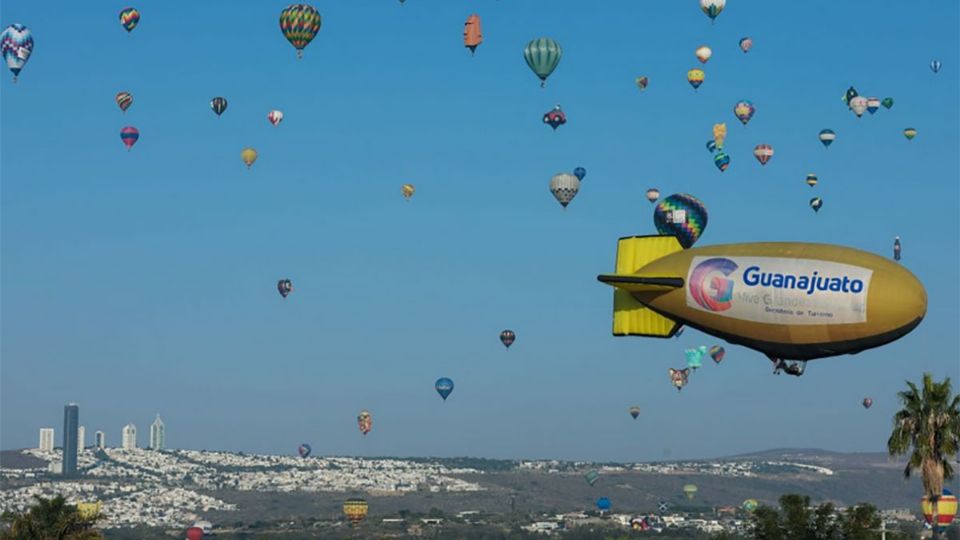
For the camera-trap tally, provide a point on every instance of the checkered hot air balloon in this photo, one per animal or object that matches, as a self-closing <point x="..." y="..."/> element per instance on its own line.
<point x="681" y="215"/>
<point x="763" y="153"/>
<point x="542" y="56"/>
<point x="300" y="24"/>
<point x="16" y="46"/>
<point x="564" y="187"/>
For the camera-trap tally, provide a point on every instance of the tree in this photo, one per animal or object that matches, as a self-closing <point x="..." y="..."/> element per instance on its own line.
<point x="49" y="519"/>
<point x="928" y="428"/>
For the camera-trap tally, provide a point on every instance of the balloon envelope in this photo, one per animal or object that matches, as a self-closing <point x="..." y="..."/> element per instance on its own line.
<point x="564" y="187"/>
<point x="867" y="403"/>
<point x="746" y="44"/>
<point x="703" y="54"/>
<point x="16" y="46"/>
<point x="284" y="287"/>
<point x="603" y="504"/>
<point x="744" y="111"/>
<point x="507" y="337"/>
<point x="218" y="105"/>
<point x="816" y="203"/>
<point x="365" y="421"/>
<point x="194" y="533"/>
<point x="300" y="24"/>
<point x="129" y="18"/>
<point x="717" y="353"/>
<point x="634" y="412"/>
<point x="579" y="172"/>
<point x="910" y="133"/>
<point x="812" y="179"/>
<point x="444" y="387"/>
<point x="591" y="476"/>
<point x="696" y="77"/>
<point x="681" y="215"/>
<point x="129" y="135"/>
<point x="827" y="136"/>
<point x="355" y="510"/>
<point x="304" y="450"/>
<point x="653" y="194"/>
<point x="642" y="83"/>
<point x="407" y="190"/>
<point x="542" y="56"/>
<point x="124" y="100"/>
<point x="275" y="117"/>
<point x="712" y="8"/>
<point x="763" y="153"/>
<point x="248" y="155"/>
<point x="722" y="161"/>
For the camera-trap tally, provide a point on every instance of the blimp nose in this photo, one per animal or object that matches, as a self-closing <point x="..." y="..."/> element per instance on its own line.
<point x="900" y="302"/>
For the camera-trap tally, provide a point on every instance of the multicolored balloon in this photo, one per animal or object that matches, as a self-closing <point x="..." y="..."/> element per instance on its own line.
<point x="407" y="190"/>
<point x="746" y="44"/>
<point x="935" y="66"/>
<point x="564" y="187"/>
<point x="248" y="155"/>
<point x="129" y="18"/>
<point x="717" y="353"/>
<point x="712" y="8"/>
<point x="542" y="55"/>
<point x="16" y="46"/>
<point x="827" y="136"/>
<point x="867" y="403"/>
<point x="679" y="377"/>
<point x="681" y="215"/>
<point x="722" y="161"/>
<point x="696" y="77"/>
<point x="812" y="179"/>
<point x="946" y="509"/>
<point x="124" y="100"/>
<point x="355" y="510"/>
<point x="816" y="203"/>
<point x="703" y="53"/>
<point x="300" y="24"/>
<point x="750" y="505"/>
<point x="858" y="105"/>
<point x="635" y="412"/>
<point x="580" y="172"/>
<point x="642" y="83"/>
<point x="218" y="105"/>
<point x="653" y="194"/>
<point x="763" y="153"/>
<point x="304" y="450"/>
<point x="719" y="134"/>
<point x="910" y="133"/>
<point x="365" y="422"/>
<point x="275" y="117"/>
<point x="129" y="135"/>
<point x="887" y="102"/>
<point x="555" y="117"/>
<point x="744" y="111"/>
<point x="444" y="387"/>
<point x="507" y="337"/>
<point x="284" y="287"/>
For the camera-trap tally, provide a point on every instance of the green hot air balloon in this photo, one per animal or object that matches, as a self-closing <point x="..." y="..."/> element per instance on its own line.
<point x="543" y="55"/>
<point x="690" y="490"/>
<point x="887" y="102"/>
<point x="591" y="476"/>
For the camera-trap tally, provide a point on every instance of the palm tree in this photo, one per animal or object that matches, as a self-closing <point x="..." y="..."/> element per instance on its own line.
<point x="49" y="519"/>
<point x="928" y="428"/>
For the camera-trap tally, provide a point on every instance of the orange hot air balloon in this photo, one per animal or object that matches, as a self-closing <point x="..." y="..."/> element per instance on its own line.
<point x="472" y="34"/>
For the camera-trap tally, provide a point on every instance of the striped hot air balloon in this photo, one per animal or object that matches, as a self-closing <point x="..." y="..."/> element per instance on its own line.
<point x="910" y="133"/>
<point x="275" y="117"/>
<point x="300" y="24"/>
<point x="129" y="135"/>
<point x="542" y="55"/>
<point x="696" y="77"/>
<point x="124" y="100"/>
<point x="827" y="136"/>
<point x="218" y="105"/>
<point x="564" y="187"/>
<point x="129" y="18"/>
<point x="812" y="179"/>
<point x="407" y="190"/>
<point x="355" y="510"/>
<point x="763" y="153"/>
<point x="946" y="509"/>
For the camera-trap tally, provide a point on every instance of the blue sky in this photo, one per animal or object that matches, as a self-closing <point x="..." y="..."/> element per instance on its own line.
<point x="143" y="282"/>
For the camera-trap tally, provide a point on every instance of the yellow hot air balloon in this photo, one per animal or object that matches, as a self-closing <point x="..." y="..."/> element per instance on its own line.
<point x="89" y="510"/>
<point x="407" y="190"/>
<point x="248" y="155"/>
<point x="695" y="77"/>
<point x="355" y="510"/>
<point x="719" y="134"/>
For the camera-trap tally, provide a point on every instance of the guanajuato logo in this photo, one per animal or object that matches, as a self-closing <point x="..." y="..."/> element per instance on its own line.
<point x="710" y="286"/>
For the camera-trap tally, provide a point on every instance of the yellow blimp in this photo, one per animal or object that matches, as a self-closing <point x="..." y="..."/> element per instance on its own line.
<point x="789" y="300"/>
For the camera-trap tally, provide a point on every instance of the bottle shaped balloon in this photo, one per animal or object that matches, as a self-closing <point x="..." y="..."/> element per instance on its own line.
<point x="16" y="46"/>
<point x="129" y="136"/>
<point x="542" y="56"/>
<point x="896" y="248"/>
<point x="300" y="23"/>
<point x="444" y="387"/>
<point x="507" y="337"/>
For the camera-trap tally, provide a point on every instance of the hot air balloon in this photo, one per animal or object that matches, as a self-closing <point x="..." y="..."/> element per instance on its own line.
<point x="124" y="100"/>
<point x="746" y="44"/>
<point x="194" y="533"/>
<point x="858" y="105"/>
<point x="690" y="490"/>
<point x="946" y="509"/>
<point x="910" y="133"/>
<point x="300" y="24"/>
<point x="935" y="66"/>
<point x="580" y="172"/>
<point x="564" y="187"/>
<point x="867" y="403"/>
<point x="635" y="412"/>
<point x="887" y="102"/>
<point x="722" y="161"/>
<point x="89" y="510"/>
<point x="827" y="137"/>
<point x="812" y="179"/>
<point x="603" y="504"/>
<point x="444" y="386"/>
<point x="355" y="510"/>
<point x="750" y="505"/>
<point x="365" y="422"/>
<point x="275" y="117"/>
<point x="407" y="190"/>
<point x="683" y="216"/>
<point x="703" y="54"/>
<point x="896" y="248"/>
<point x="591" y="476"/>
<point x="695" y="77"/>
<point x="653" y="194"/>
<point x="16" y="46"/>
<point x="763" y="153"/>
<point x="678" y="377"/>
<point x="507" y="337"/>
<point x="695" y="357"/>
<point x="542" y="55"/>
<point x="304" y="450"/>
<point x="248" y="155"/>
<point x="717" y="353"/>
<point x="873" y="104"/>
<point x="472" y="34"/>
<point x="555" y="118"/>
<point x="712" y="8"/>
<point x="129" y="18"/>
<point x="849" y="95"/>
<point x="816" y="203"/>
<point x="719" y="134"/>
<point x="284" y="287"/>
<point x="129" y="135"/>
<point x="744" y="110"/>
<point x="642" y="83"/>
<point x="218" y="105"/>
<point x="711" y="146"/>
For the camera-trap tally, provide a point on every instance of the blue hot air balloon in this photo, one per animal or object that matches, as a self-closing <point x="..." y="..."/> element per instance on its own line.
<point x="579" y="172"/>
<point x="304" y="450"/>
<point x="603" y="504"/>
<point x="444" y="387"/>
<point x="695" y="356"/>
<point x="711" y="146"/>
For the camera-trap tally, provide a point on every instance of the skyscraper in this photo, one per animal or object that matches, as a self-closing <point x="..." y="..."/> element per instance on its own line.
<point x="81" y="438"/>
<point x="100" y="440"/>
<point x="71" y="425"/>
<point x="129" y="437"/>
<point x="157" y="434"/>
<point x="46" y="438"/>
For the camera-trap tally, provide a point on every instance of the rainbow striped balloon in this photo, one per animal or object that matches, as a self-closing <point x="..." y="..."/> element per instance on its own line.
<point x="300" y="24"/>
<point x="683" y="216"/>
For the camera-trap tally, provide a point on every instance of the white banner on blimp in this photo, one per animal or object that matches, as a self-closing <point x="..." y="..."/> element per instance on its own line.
<point x="779" y="290"/>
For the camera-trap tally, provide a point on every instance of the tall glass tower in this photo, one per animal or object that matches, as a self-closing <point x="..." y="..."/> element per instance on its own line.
<point x="71" y="423"/>
<point x="157" y="434"/>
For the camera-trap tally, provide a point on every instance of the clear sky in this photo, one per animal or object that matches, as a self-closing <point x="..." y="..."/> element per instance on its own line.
<point x="144" y="282"/>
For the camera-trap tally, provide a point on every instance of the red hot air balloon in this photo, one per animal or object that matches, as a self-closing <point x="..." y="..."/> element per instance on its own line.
<point x="129" y="135"/>
<point x="194" y="533"/>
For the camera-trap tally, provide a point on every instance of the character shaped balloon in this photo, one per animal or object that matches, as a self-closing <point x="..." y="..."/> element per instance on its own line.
<point x="555" y="117"/>
<point x="284" y="287"/>
<point x="678" y="377"/>
<point x="472" y="33"/>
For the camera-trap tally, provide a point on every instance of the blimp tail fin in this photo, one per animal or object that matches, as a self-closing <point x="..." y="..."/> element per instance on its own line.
<point x="631" y="318"/>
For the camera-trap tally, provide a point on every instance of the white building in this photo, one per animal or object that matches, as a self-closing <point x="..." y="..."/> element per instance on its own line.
<point x="81" y="437"/>
<point x="100" y="439"/>
<point x="46" y="438"/>
<point x="129" y="437"/>
<point x="157" y="434"/>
